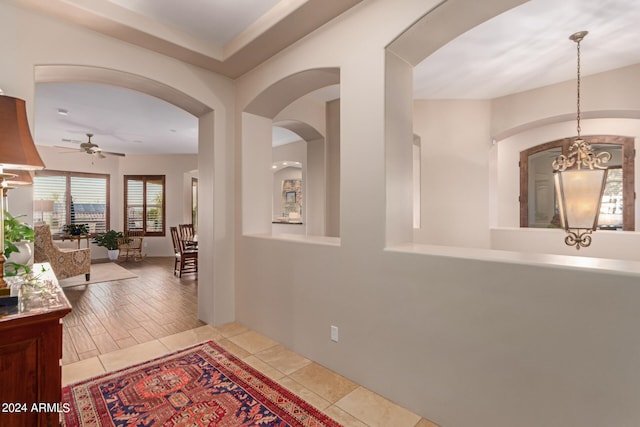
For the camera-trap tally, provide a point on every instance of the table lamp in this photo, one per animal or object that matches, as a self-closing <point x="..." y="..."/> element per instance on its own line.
<point x="20" y="178"/>
<point x="17" y="151"/>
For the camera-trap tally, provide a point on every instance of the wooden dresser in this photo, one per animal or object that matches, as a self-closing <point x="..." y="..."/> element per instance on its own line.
<point x="30" y="352"/>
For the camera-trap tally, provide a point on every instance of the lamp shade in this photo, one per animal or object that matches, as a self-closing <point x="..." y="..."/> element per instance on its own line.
<point x="579" y="193"/>
<point x="17" y="149"/>
<point x="22" y="178"/>
<point x="43" y="205"/>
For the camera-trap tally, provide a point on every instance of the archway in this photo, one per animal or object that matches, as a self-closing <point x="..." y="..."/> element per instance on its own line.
<point x="312" y="173"/>
<point x="423" y="38"/>
<point x="211" y="310"/>
<point x="322" y="152"/>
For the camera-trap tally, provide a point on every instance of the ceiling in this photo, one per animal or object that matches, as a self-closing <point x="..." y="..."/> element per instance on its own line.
<point x="528" y="47"/>
<point x="524" y="48"/>
<point x="217" y="21"/>
<point x="122" y="120"/>
<point x="229" y="37"/>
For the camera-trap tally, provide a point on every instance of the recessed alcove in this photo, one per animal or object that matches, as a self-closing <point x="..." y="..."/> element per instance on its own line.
<point x="289" y="195"/>
<point x="301" y="197"/>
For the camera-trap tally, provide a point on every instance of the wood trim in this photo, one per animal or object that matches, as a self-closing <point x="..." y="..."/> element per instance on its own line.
<point x="524" y="188"/>
<point x="144" y="179"/>
<point x="563" y="143"/>
<point x="194" y="202"/>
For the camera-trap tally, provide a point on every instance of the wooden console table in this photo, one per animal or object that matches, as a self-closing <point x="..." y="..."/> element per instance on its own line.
<point x="30" y="352"/>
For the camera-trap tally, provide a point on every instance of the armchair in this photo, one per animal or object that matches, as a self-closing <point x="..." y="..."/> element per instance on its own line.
<point x="64" y="262"/>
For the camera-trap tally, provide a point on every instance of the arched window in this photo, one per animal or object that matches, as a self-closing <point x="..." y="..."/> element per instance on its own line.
<point x="537" y="196"/>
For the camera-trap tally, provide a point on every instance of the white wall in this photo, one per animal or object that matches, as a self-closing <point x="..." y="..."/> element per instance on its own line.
<point x="333" y="169"/>
<point x="31" y="41"/>
<point x="461" y="337"/>
<point x="457" y="147"/>
<point x="455" y="172"/>
<point x="398" y="150"/>
<point x="604" y="95"/>
<point x="257" y="176"/>
<point x="465" y="338"/>
<point x="307" y="109"/>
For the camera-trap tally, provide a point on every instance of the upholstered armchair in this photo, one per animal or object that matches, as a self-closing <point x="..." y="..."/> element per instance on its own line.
<point x="64" y="262"/>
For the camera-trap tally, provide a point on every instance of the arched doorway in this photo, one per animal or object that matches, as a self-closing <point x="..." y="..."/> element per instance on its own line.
<point x="322" y="156"/>
<point x="213" y="193"/>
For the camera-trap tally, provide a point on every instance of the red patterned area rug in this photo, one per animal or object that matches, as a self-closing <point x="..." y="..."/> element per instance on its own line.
<point x="202" y="385"/>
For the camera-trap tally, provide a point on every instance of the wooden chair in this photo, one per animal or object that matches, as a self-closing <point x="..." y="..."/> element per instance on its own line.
<point x="64" y="262"/>
<point x="187" y="234"/>
<point x="186" y="259"/>
<point x="131" y="245"/>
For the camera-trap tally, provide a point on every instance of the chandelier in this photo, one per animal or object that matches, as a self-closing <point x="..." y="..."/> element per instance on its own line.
<point x="580" y="177"/>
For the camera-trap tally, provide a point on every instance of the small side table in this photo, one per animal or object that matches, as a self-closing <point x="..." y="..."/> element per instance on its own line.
<point x="77" y="238"/>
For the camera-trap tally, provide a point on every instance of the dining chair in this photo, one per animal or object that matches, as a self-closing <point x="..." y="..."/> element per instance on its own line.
<point x="186" y="259"/>
<point x="187" y="234"/>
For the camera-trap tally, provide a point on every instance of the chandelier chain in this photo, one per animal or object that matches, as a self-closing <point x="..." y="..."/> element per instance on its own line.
<point x="578" y="91"/>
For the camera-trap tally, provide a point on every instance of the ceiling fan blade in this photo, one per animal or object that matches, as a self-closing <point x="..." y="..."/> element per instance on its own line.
<point x="113" y="154"/>
<point x="71" y="149"/>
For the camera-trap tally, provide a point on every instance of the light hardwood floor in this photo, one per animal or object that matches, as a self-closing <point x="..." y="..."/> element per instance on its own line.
<point x="120" y="323"/>
<point x="115" y="315"/>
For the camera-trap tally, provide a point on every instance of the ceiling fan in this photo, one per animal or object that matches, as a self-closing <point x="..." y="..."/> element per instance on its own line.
<point x="93" y="149"/>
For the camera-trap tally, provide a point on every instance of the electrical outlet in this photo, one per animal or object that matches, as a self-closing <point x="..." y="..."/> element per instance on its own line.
<point x="334" y="333"/>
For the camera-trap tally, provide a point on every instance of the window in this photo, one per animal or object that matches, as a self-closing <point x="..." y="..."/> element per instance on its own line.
<point x="537" y="195"/>
<point x="144" y="204"/>
<point x="61" y="198"/>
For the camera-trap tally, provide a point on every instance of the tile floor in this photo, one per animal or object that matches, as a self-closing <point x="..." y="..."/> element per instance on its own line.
<point x="341" y="399"/>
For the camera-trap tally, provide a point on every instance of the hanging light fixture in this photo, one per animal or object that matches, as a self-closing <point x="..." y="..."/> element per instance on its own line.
<point x="580" y="178"/>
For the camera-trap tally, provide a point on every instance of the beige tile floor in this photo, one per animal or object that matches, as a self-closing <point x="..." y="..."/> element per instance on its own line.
<point x="345" y="401"/>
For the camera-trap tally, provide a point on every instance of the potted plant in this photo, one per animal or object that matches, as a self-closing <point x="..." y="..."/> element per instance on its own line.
<point x="109" y="240"/>
<point x="76" y="229"/>
<point x="17" y="250"/>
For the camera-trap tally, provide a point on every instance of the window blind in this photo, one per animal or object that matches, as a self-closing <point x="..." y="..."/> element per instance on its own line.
<point x="61" y="198"/>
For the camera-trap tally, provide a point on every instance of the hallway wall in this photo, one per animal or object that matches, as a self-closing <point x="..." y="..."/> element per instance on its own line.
<point x="462" y="336"/>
